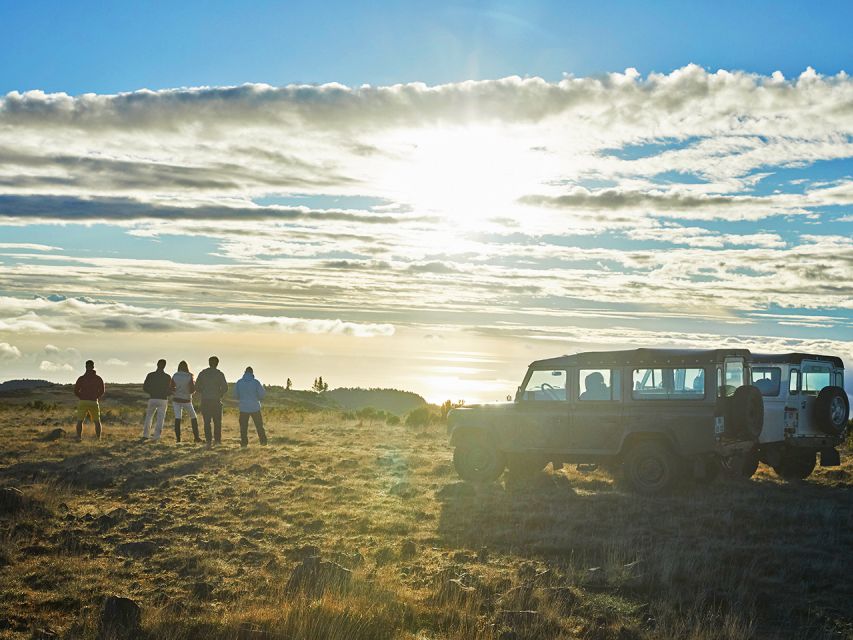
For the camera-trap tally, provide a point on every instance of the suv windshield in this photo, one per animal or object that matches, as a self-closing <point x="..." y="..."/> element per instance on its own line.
<point x="545" y="385"/>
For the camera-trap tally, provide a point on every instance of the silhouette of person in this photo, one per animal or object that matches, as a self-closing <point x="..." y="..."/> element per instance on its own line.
<point x="595" y="387"/>
<point x="212" y="387"/>
<point x="89" y="389"/>
<point x="158" y="386"/>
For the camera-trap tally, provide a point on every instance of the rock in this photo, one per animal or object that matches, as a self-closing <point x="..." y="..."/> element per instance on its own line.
<point x="119" y="618"/>
<point x="53" y="435"/>
<point x="12" y="500"/>
<point x="141" y="549"/>
<point x="408" y="549"/>
<point x="315" y="576"/>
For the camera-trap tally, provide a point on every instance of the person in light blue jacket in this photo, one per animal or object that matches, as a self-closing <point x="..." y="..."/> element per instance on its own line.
<point x="249" y="391"/>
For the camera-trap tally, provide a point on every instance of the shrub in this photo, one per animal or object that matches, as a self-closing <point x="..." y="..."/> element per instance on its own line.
<point x="420" y="417"/>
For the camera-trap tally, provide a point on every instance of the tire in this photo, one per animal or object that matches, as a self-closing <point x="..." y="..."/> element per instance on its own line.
<point x="650" y="467"/>
<point x="742" y="465"/>
<point x="712" y="467"/>
<point x="478" y="461"/>
<point x="831" y="409"/>
<point x="796" y="465"/>
<point x="747" y="412"/>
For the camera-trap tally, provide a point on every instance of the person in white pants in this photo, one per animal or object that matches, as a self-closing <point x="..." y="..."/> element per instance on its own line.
<point x="157" y="386"/>
<point x="183" y="388"/>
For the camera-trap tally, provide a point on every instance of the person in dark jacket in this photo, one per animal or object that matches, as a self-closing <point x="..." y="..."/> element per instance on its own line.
<point x="158" y="387"/>
<point x="89" y="389"/>
<point x="249" y="391"/>
<point x="212" y="387"/>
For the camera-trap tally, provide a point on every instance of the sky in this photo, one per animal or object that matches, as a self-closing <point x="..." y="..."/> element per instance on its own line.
<point x="425" y="196"/>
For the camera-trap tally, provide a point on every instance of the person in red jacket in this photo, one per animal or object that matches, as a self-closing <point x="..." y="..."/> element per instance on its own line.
<point x="89" y="388"/>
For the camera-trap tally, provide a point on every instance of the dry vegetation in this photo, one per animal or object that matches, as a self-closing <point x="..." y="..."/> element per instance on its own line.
<point x="213" y="544"/>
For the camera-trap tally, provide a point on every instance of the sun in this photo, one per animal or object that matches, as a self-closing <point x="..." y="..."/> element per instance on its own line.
<point x="466" y="174"/>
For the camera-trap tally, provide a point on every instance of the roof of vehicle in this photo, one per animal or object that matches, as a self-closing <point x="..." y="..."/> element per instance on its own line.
<point x="795" y="358"/>
<point x="658" y="357"/>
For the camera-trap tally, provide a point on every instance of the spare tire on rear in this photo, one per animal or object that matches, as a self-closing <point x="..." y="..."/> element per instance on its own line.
<point x="831" y="409"/>
<point x="747" y="412"/>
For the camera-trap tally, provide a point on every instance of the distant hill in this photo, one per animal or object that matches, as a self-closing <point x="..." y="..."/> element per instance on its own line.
<point x="389" y="400"/>
<point x="16" y="385"/>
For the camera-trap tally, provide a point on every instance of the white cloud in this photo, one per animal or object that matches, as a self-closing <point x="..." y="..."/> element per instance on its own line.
<point x="9" y="351"/>
<point x="55" y="367"/>
<point x="116" y="362"/>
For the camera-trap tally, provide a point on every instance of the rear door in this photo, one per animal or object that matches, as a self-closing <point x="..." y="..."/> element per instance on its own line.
<point x="814" y="376"/>
<point x="768" y="380"/>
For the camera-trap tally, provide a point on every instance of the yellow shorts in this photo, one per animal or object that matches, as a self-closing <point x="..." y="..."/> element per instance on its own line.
<point x="90" y="408"/>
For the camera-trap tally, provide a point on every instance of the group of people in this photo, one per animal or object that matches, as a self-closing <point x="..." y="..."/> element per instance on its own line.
<point x="210" y="386"/>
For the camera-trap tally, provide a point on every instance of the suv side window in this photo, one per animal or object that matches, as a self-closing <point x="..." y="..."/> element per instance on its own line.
<point x="839" y="379"/>
<point x="794" y="382"/>
<point x="767" y="379"/>
<point x="668" y="384"/>
<point x="599" y="384"/>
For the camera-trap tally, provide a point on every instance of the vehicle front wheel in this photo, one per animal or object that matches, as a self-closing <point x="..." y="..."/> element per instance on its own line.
<point x="478" y="461"/>
<point x="796" y="465"/>
<point x="651" y="467"/>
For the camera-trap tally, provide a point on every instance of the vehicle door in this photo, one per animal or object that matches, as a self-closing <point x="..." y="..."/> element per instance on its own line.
<point x="768" y="380"/>
<point x="675" y="401"/>
<point x="597" y="413"/>
<point x="814" y="376"/>
<point x="543" y="411"/>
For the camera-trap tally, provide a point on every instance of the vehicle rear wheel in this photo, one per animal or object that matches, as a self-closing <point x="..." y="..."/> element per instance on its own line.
<point x="478" y="461"/>
<point x="796" y="465"/>
<point x="831" y="409"/>
<point x="651" y="467"/>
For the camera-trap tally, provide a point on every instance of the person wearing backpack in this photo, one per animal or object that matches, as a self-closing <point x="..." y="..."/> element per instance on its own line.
<point x="249" y="391"/>
<point x="183" y="387"/>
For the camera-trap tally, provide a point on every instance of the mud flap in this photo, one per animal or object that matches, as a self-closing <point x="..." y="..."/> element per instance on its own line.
<point x="829" y="457"/>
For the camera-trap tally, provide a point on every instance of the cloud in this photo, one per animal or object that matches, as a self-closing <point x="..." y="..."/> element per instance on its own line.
<point x="9" y="352"/>
<point x="73" y="315"/>
<point x="116" y="362"/>
<point x="54" y="367"/>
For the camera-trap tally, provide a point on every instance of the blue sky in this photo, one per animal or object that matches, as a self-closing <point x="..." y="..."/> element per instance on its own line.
<point x="656" y="174"/>
<point x="80" y="47"/>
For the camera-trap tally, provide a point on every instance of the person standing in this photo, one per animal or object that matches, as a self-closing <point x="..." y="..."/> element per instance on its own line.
<point x="249" y="391"/>
<point x="158" y="385"/>
<point x="212" y="387"/>
<point x="89" y="389"/>
<point x="183" y="387"/>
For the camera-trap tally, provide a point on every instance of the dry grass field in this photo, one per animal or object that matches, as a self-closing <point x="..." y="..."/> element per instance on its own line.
<point x="348" y="530"/>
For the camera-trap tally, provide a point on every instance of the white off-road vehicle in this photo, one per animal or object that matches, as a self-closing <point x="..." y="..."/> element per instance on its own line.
<point x="805" y="413"/>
